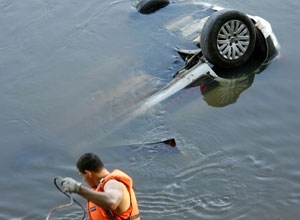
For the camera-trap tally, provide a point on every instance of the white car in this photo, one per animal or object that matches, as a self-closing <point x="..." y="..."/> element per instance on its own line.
<point x="222" y="50"/>
<point x="231" y="47"/>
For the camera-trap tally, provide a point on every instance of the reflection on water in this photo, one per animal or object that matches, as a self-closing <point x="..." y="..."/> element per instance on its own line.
<point x="221" y="92"/>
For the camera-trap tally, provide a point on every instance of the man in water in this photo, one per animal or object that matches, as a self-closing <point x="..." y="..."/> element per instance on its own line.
<point x="111" y="195"/>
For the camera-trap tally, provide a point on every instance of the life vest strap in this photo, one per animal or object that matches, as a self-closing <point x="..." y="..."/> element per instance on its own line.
<point x="109" y="214"/>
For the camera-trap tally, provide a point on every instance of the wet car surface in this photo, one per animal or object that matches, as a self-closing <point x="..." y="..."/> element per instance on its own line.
<point x="175" y="70"/>
<point x="221" y="65"/>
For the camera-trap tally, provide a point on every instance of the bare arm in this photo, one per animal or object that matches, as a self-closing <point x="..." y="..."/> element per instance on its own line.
<point x="111" y="198"/>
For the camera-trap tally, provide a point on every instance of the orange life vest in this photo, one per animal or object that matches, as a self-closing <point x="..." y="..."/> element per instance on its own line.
<point x="99" y="213"/>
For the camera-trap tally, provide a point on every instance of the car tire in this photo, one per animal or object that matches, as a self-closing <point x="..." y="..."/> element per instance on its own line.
<point x="228" y="38"/>
<point x="150" y="6"/>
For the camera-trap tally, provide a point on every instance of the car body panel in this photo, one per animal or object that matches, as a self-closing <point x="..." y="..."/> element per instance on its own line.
<point x="187" y="26"/>
<point x="176" y="30"/>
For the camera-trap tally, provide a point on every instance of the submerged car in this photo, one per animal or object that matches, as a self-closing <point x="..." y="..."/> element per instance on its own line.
<point x="230" y="47"/>
<point x="185" y="51"/>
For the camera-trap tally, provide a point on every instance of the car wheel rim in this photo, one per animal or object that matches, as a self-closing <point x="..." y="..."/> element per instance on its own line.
<point x="233" y="40"/>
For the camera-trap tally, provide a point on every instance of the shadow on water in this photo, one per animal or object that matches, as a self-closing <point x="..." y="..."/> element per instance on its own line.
<point x="139" y="152"/>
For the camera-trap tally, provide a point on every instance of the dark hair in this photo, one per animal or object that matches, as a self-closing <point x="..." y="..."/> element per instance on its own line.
<point x="89" y="161"/>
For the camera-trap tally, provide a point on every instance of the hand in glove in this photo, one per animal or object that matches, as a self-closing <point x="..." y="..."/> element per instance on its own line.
<point x="70" y="185"/>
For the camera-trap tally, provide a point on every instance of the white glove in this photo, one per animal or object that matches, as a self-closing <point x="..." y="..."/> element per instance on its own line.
<point x="70" y="185"/>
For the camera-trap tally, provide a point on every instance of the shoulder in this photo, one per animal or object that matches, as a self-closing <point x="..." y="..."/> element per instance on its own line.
<point x="119" y="176"/>
<point x="113" y="184"/>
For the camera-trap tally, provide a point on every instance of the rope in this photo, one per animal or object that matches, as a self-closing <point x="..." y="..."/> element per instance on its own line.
<point x="69" y="195"/>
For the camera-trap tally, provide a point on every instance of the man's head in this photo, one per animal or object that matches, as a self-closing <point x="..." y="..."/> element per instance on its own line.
<point x="90" y="162"/>
<point x="90" y="168"/>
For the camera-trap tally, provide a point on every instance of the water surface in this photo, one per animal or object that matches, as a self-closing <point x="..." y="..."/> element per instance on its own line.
<point x="68" y="70"/>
